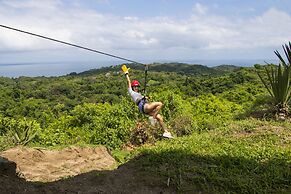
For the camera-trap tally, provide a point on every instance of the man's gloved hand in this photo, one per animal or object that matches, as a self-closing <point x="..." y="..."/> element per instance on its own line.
<point x="125" y="69"/>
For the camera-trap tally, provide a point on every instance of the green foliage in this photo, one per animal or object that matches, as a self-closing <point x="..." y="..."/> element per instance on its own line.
<point x="181" y="68"/>
<point x="59" y="133"/>
<point x="242" y="157"/>
<point x="173" y="104"/>
<point x="24" y="131"/>
<point x="145" y="133"/>
<point x="199" y="113"/>
<point x="89" y="123"/>
<point x="210" y="112"/>
<point x="94" y="107"/>
<point x="20" y="131"/>
<point x="278" y="80"/>
<point x="217" y="153"/>
<point x="244" y="94"/>
<point x="182" y="125"/>
<point x="112" y="128"/>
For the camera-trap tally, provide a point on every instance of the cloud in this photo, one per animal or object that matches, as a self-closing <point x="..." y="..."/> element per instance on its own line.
<point x="269" y="29"/>
<point x="203" y="32"/>
<point x="199" y="9"/>
<point x="32" y="4"/>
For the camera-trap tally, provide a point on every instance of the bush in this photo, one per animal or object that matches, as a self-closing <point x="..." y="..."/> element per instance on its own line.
<point x="173" y="104"/>
<point x="182" y="124"/>
<point x="18" y="131"/>
<point x="196" y="113"/>
<point x="210" y="112"/>
<point x="144" y="132"/>
<point x="89" y="123"/>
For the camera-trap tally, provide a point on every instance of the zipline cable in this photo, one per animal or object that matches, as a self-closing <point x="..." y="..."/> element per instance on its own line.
<point x="81" y="47"/>
<point x="70" y="44"/>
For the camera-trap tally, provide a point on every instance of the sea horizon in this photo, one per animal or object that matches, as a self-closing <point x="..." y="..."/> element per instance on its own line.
<point x="61" y="68"/>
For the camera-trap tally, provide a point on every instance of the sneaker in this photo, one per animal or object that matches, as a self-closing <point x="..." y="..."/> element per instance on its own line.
<point x="167" y="135"/>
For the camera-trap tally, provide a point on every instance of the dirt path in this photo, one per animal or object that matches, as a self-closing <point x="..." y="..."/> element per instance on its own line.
<point x="72" y="170"/>
<point x="51" y="165"/>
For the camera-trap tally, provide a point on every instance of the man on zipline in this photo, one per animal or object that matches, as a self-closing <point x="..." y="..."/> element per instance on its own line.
<point x="144" y="107"/>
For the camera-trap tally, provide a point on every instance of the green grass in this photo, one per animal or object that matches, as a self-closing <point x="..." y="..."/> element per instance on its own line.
<point x="248" y="156"/>
<point x="245" y="156"/>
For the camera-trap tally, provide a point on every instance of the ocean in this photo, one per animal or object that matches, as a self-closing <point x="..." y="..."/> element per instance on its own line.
<point x="65" y="67"/>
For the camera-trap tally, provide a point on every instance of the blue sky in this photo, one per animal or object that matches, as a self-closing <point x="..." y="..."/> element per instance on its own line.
<point x="146" y="31"/>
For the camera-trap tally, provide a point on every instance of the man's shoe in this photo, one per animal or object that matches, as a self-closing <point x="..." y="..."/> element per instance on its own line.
<point x="167" y="135"/>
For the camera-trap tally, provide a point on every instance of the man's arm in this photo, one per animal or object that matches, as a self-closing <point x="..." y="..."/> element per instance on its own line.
<point x="125" y="71"/>
<point x="128" y="80"/>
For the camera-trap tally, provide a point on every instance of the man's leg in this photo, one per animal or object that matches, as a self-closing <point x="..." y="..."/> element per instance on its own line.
<point x="153" y="108"/>
<point x="161" y="122"/>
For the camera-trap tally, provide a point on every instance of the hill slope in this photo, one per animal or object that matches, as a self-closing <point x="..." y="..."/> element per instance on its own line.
<point x="181" y="68"/>
<point x="249" y="156"/>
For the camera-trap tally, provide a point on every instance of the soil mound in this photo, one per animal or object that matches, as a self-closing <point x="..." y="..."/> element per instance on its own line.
<point x="74" y="170"/>
<point x="50" y="165"/>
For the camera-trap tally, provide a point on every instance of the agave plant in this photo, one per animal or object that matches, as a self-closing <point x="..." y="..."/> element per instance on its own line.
<point x="278" y="81"/>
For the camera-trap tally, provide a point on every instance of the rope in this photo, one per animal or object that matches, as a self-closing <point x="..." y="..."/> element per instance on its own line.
<point x="70" y="44"/>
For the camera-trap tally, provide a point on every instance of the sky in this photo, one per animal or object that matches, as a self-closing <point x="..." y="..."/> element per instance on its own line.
<point x="144" y="31"/>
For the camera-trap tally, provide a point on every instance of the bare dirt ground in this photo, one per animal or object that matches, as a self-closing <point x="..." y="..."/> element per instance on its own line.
<point x="72" y="170"/>
<point x="51" y="165"/>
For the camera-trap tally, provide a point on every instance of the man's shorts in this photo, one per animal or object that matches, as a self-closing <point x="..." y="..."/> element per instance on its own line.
<point x="141" y="104"/>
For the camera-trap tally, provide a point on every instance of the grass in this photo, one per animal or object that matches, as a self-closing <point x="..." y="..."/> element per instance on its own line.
<point x="248" y="156"/>
<point x="245" y="156"/>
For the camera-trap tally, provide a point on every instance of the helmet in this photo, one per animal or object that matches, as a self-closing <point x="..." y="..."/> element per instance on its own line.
<point x="135" y="83"/>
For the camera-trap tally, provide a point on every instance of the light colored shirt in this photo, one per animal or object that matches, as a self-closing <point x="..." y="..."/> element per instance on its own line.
<point x="135" y="95"/>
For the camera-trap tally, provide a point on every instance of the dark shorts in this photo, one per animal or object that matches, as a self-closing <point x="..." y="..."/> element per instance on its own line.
<point x="141" y="104"/>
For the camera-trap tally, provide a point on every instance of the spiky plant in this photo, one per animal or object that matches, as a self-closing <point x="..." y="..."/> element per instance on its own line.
<point x="278" y="81"/>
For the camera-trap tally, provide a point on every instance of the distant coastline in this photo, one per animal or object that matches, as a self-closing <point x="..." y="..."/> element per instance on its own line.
<point x="236" y="62"/>
<point x="34" y="69"/>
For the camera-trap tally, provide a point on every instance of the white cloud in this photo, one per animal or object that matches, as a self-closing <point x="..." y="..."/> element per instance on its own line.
<point x="32" y="4"/>
<point x="269" y="29"/>
<point x="133" y="36"/>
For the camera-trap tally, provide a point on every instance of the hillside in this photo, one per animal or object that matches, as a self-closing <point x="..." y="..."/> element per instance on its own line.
<point x="181" y="68"/>
<point x="248" y="156"/>
<point x="226" y="140"/>
<point x="226" y="68"/>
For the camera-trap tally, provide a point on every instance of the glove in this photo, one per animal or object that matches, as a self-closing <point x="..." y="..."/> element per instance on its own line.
<point x="125" y="69"/>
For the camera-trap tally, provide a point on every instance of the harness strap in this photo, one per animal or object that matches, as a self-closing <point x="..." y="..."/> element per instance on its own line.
<point x="141" y="104"/>
<point x="144" y="99"/>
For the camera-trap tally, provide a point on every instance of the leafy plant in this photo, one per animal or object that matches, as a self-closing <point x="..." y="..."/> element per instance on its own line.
<point x="278" y="81"/>
<point x="25" y="131"/>
<point x="20" y="131"/>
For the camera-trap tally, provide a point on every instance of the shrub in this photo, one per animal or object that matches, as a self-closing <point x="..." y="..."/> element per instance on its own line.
<point x="144" y="132"/>
<point x="182" y="124"/>
<point x="278" y="81"/>
<point x="210" y="111"/>
<point x="174" y="104"/>
<point x="20" y="131"/>
<point x="89" y="123"/>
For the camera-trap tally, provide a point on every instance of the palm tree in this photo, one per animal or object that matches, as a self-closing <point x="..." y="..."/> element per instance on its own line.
<point x="277" y="81"/>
